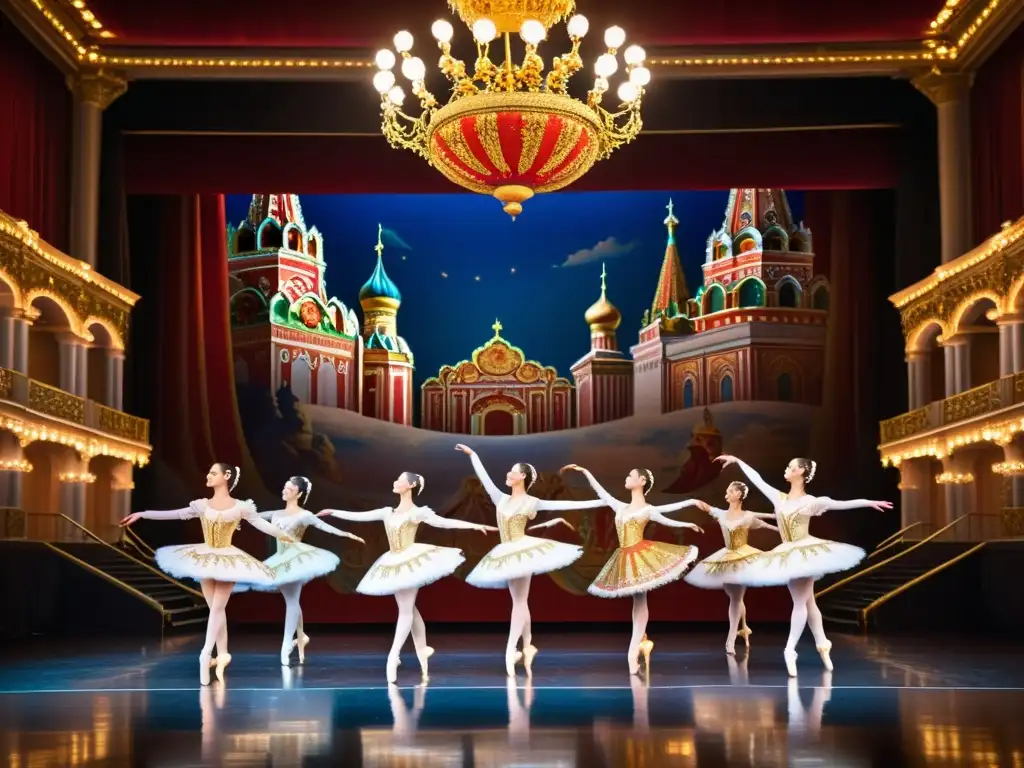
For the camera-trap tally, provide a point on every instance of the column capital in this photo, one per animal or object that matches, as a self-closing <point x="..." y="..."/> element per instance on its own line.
<point x="101" y="87"/>
<point x="944" y="88"/>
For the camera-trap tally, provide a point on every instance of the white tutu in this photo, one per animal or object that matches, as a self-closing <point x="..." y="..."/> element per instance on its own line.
<point x="296" y="563"/>
<point x="200" y="561"/>
<point x="726" y="566"/>
<point x="525" y="556"/>
<point x="807" y="557"/>
<point x="415" y="566"/>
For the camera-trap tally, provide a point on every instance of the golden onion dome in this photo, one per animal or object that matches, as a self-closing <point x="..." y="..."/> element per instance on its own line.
<point x="602" y="314"/>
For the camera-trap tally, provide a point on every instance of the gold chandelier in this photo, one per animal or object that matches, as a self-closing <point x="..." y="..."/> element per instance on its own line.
<point x="509" y="130"/>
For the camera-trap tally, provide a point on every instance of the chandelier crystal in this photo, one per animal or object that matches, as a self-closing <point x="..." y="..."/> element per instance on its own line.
<point x="511" y="130"/>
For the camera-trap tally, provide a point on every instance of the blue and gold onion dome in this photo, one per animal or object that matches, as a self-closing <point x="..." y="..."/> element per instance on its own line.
<point x="380" y="286"/>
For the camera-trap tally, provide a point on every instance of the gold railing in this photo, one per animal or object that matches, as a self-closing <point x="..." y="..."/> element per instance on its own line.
<point x="888" y="540"/>
<point x="906" y="424"/>
<point x="976" y="401"/>
<point x="121" y="424"/>
<point x="916" y="580"/>
<point x="6" y="384"/>
<point x="1011" y="522"/>
<point x="12" y="523"/>
<point x="55" y="402"/>
<point x="130" y="537"/>
<point x="108" y="578"/>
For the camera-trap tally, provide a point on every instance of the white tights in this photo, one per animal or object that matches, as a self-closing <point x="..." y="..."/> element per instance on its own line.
<point x="737" y="612"/>
<point x="640" y="616"/>
<point x="292" y="616"/>
<point x="217" y="594"/>
<point x="409" y="622"/>
<point x="520" y="625"/>
<point x="805" y="612"/>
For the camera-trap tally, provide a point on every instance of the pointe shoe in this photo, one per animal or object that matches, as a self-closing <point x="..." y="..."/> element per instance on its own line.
<point x="221" y="664"/>
<point x="392" y="669"/>
<point x="826" y="659"/>
<point x="528" y="653"/>
<point x="646" y="646"/>
<point x="511" y="659"/>
<point x="204" y="669"/>
<point x="301" y="642"/>
<point x="745" y="632"/>
<point x="286" y="656"/>
<point x="424" y="656"/>
<point x="790" y="657"/>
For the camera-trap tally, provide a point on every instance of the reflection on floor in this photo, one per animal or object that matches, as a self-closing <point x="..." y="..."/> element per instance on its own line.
<point x="888" y="703"/>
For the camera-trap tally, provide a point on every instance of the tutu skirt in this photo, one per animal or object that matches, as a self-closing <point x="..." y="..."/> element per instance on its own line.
<point x="200" y="561"/>
<point x="412" y="568"/>
<point x="809" y="557"/>
<point x="726" y="566"/>
<point x="296" y="564"/>
<point x="526" y="556"/>
<point x="642" y="567"/>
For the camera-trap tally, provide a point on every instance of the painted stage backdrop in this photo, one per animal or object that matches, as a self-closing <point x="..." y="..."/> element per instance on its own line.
<point x="371" y="333"/>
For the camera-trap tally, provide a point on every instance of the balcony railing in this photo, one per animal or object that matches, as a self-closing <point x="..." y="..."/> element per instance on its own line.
<point x="54" y="402"/>
<point x="978" y="401"/>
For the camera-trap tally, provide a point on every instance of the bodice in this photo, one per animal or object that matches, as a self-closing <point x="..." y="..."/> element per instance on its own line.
<point x="513" y="517"/>
<point x="217" y="533"/>
<point x="736" y="538"/>
<point x="291" y="525"/>
<point x="793" y="526"/>
<point x="630" y="530"/>
<point x="401" y="535"/>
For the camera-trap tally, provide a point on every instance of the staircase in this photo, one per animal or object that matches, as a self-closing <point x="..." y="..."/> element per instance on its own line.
<point x="178" y="604"/>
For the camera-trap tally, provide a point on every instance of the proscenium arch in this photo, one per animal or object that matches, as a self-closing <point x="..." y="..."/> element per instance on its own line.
<point x="968" y="304"/>
<point x="74" y="323"/>
<point x="116" y="342"/>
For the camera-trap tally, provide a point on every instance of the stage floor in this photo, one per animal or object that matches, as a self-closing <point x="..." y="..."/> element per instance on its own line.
<point x="896" y="701"/>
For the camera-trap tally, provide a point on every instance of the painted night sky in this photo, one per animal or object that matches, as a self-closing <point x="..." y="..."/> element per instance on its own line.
<point x="460" y="262"/>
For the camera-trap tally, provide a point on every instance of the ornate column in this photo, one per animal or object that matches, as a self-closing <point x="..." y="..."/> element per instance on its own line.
<point x="94" y="92"/>
<point x="950" y="93"/>
<point x="114" y="396"/>
<point x="67" y="374"/>
<point x="918" y="384"/>
<point x="957" y="353"/>
<point x="1017" y="345"/>
<point x="1006" y="360"/>
<point x="19" y="357"/>
<point x="82" y="370"/>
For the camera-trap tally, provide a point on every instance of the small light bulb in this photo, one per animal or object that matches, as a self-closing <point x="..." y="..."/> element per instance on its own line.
<point x="385" y="59"/>
<point x="640" y="76"/>
<point x="606" y="65"/>
<point x="403" y="42"/>
<point x="442" y="31"/>
<point x="414" y="68"/>
<point x="634" y="55"/>
<point x="484" y="31"/>
<point x="614" y="37"/>
<point x="383" y="80"/>
<point x="600" y="84"/>
<point x="396" y="95"/>
<point x="628" y="93"/>
<point x="578" y="26"/>
<point x="532" y="32"/>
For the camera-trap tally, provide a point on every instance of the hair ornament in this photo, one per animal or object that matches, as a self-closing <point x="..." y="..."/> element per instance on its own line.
<point x="814" y="468"/>
<point x="235" y="478"/>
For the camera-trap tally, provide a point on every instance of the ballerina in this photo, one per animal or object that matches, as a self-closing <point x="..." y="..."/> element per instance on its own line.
<point x="408" y="566"/>
<point x="816" y="557"/>
<point x="725" y="568"/>
<point x="295" y="565"/>
<point x="639" y="565"/>
<point x="519" y="557"/>
<point x="215" y="564"/>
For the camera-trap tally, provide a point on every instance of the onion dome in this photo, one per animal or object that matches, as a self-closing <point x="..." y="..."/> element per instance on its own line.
<point x="602" y="314"/>
<point x="380" y="289"/>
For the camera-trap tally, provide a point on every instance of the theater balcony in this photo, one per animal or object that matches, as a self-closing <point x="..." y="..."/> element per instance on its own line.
<point x="960" y="448"/>
<point x="66" y="445"/>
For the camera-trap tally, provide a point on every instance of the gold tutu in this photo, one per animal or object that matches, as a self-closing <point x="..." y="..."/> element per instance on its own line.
<point x="642" y="567"/>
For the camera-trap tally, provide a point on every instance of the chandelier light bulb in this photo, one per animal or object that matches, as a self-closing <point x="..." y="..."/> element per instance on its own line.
<point x="606" y="65"/>
<point x="640" y="76"/>
<point x="600" y="84"/>
<point x="442" y="31"/>
<point x="414" y="68"/>
<point x="384" y="80"/>
<point x="628" y="93"/>
<point x="484" y="31"/>
<point x="532" y="32"/>
<point x="403" y="42"/>
<point x="614" y="37"/>
<point x="385" y="59"/>
<point x="578" y="26"/>
<point x="634" y="55"/>
<point x="396" y="95"/>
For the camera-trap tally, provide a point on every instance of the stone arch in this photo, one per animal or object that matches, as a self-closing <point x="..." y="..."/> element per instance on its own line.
<point x="713" y="299"/>
<point x="924" y="337"/>
<point x="788" y="292"/>
<point x="293" y="238"/>
<point x="47" y="303"/>
<point x="751" y="292"/>
<point x="10" y="292"/>
<point x="109" y="336"/>
<point x="269" y="235"/>
<point x="970" y="309"/>
<point x="689" y="392"/>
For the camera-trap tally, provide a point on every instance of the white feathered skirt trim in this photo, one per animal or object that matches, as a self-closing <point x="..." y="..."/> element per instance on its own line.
<point x="200" y="561"/>
<point x="526" y="556"/>
<point x="808" y="557"/>
<point x="726" y="566"/>
<point x="412" y="568"/>
<point x="296" y="564"/>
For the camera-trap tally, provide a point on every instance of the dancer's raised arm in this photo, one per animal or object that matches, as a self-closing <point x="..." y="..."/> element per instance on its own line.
<point x="774" y="495"/>
<point x="185" y="513"/>
<point x="603" y="495"/>
<point x="252" y="517"/>
<point x="357" y="517"/>
<point x="823" y="504"/>
<point x="657" y="517"/>
<point x="431" y="518"/>
<point x="310" y="519"/>
<point x="478" y="466"/>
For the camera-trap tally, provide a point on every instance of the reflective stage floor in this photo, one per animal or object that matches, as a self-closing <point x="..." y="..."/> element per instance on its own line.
<point x="889" y="702"/>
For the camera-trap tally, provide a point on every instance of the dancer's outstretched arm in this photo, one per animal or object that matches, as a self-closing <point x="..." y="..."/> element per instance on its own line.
<point x="606" y="498"/>
<point x="552" y="524"/>
<point x="677" y="505"/>
<point x="310" y="519"/>
<point x="431" y="518"/>
<point x="825" y="504"/>
<point x="759" y="523"/>
<point x="357" y="517"/>
<point x="657" y="517"/>
<point x="253" y="518"/>
<point x="764" y="515"/>
<point x="774" y="495"/>
<point x="478" y="466"/>
<point x="185" y="513"/>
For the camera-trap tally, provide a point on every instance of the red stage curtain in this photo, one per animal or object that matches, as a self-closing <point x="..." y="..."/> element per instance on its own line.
<point x="843" y="159"/>
<point x="35" y="136"/>
<point x="997" y="135"/>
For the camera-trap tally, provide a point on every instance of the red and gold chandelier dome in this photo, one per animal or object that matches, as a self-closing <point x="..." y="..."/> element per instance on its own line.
<point x="510" y="130"/>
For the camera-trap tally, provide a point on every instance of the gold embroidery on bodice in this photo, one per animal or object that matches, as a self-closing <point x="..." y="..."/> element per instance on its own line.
<point x="793" y="526"/>
<point x="217" y="533"/>
<point x="401" y="535"/>
<point x="512" y="526"/>
<point x="735" y="538"/>
<point x="630" y="531"/>
<point x="296" y="533"/>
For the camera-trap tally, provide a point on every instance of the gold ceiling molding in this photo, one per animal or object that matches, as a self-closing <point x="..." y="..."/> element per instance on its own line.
<point x="957" y="36"/>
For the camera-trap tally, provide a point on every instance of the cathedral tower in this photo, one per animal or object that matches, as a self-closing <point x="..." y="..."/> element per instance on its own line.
<point x="387" y="359"/>
<point x="604" y="377"/>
